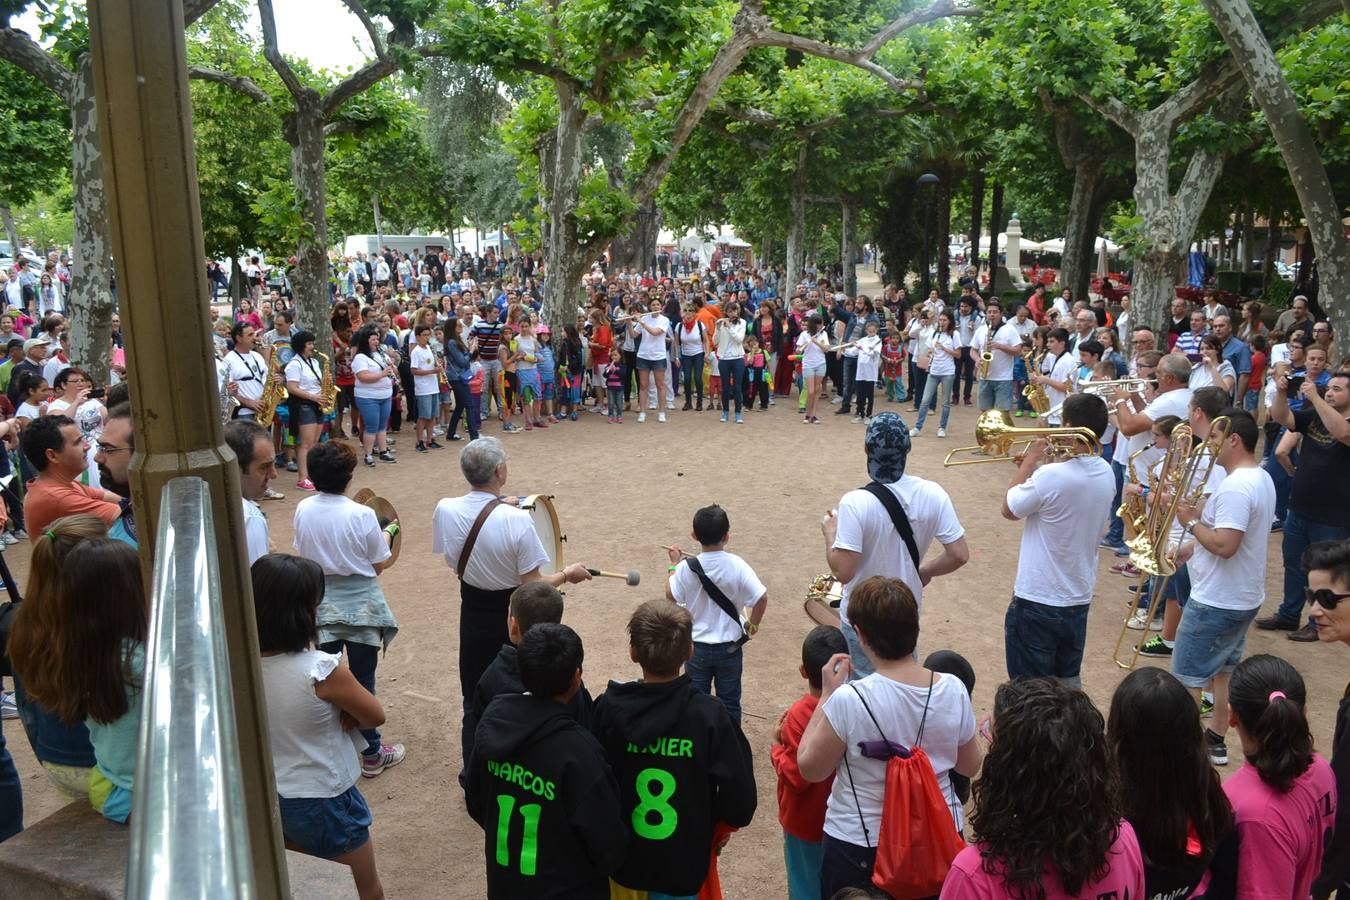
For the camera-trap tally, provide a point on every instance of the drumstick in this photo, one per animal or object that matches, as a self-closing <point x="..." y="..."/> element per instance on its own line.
<point x="676" y="549"/>
<point x="633" y="576"/>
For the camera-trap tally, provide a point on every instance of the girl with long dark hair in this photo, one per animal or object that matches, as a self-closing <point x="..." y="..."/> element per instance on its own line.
<point x="457" y="364"/>
<point x="1284" y="798"/>
<point x="1047" y="818"/>
<point x="1173" y="800"/>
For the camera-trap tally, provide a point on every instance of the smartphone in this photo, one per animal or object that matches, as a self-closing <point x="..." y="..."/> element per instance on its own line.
<point x="98" y="393"/>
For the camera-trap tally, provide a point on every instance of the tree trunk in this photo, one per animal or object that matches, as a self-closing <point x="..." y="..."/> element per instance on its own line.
<point x="11" y="230"/>
<point x="379" y="220"/>
<point x="1274" y="230"/>
<point x="565" y="254"/>
<point x="995" y="226"/>
<point x="976" y="216"/>
<point x="848" y="245"/>
<point x="1080" y="230"/>
<point x="1271" y="90"/>
<point x="1153" y="288"/>
<point x="796" y="223"/>
<point x="236" y="284"/>
<point x="1248" y="238"/>
<point x="304" y="131"/>
<point x="90" y="302"/>
<point x="942" y="231"/>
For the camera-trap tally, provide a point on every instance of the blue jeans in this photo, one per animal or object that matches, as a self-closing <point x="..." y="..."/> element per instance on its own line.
<point x="461" y="392"/>
<point x="362" y="660"/>
<point x="1044" y="641"/>
<point x="720" y="665"/>
<point x="733" y="378"/>
<point x="11" y="794"/>
<point x="1299" y="532"/>
<point x="691" y="368"/>
<point x="615" y="402"/>
<point x="936" y="384"/>
<point x="374" y="413"/>
<point x="1115" y="532"/>
<point x="1283" y="480"/>
<point x="850" y="376"/>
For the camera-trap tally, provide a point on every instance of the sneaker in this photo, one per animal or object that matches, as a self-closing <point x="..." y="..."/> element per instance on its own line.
<point x="573" y="417"/>
<point x="1305" y="635"/>
<point x="511" y="428"/>
<point x="618" y="420"/>
<point x="651" y="405"/>
<point x="1156" y="647"/>
<point x="1017" y="415"/>
<point x="421" y="447"/>
<point x="660" y="417"/>
<point x="914" y="432"/>
<point x="670" y="405"/>
<point x="841" y="411"/>
<point x="610" y="420"/>
<point x="815" y="420"/>
<point x="435" y="446"/>
<point x="373" y="764"/>
<point x="1206" y="706"/>
<point x="1126" y="568"/>
<point x="1216" y="747"/>
<point x="1122" y="551"/>
<point x="867" y="420"/>
<point x="739" y="420"/>
<point x="270" y="494"/>
<point x="1275" y="623"/>
<point x="9" y="709"/>
<point x="437" y="431"/>
<point x="386" y="456"/>
<point x="836" y="399"/>
<point x="305" y="484"/>
<point x="1108" y="544"/>
<point x="292" y="466"/>
<point x="698" y="406"/>
<point x="529" y="427"/>
<point x="856" y="420"/>
<point x="541" y="424"/>
<point x="1132" y="588"/>
<point x="724" y="417"/>
<point x="370" y="460"/>
<point x="9" y="538"/>
<point x="642" y="417"/>
<point x="942" y="432"/>
<point x="1139" y="621"/>
<point x="1277" y="525"/>
<point x="688" y="405"/>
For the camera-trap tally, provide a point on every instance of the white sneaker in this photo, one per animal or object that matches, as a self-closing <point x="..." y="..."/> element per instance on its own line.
<point x="942" y="432"/>
<point x="660" y="417"/>
<point x="1137" y="622"/>
<point x="914" y="432"/>
<point x="651" y="406"/>
<point x="9" y="538"/>
<point x="642" y="417"/>
<point x="856" y="420"/>
<point x="836" y="399"/>
<point x="670" y="406"/>
<point x="437" y="431"/>
<point x="867" y="421"/>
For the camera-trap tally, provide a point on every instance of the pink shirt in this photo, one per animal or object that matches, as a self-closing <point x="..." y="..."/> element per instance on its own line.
<point x="1281" y="836"/>
<point x="1124" y="877"/>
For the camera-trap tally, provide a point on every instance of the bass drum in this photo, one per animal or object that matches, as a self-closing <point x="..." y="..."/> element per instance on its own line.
<point x="545" y="518"/>
<point x="822" y="600"/>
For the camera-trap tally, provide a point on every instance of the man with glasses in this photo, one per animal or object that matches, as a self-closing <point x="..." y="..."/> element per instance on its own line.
<point x="114" y="448"/>
<point x="1321" y="335"/>
<point x="1294" y="316"/>
<point x="1319" y="497"/>
<point x="1141" y="341"/>
<point x="54" y="446"/>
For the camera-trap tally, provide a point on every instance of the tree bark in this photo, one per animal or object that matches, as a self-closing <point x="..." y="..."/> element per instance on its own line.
<point x="11" y="230"/>
<point x="995" y="226"/>
<point x="90" y="302"/>
<point x="1274" y="230"/>
<point x="1080" y="229"/>
<point x="565" y="254"/>
<point x="1261" y="70"/>
<point x="942" y="228"/>
<point x="976" y="215"/>
<point x="304" y="132"/>
<point x="797" y="221"/>
<point x="1248" y="238"/>
<point x="848" y="244"/>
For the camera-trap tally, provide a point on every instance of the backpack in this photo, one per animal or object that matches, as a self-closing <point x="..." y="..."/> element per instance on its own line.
<point x="918" y="839"/>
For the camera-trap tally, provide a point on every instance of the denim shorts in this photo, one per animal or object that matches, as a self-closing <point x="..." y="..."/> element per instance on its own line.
<point x="548" y="389"/>
<point x="1209" y="640"/>
<point x="813" y="371"/>
<point x="651" y="365"/>
<point x="327" y="827"/>
<point x="374" y="413"/>
<point x="528" y="380"/>
<point x="996" y="395"/>
<point x="428" y="406"/>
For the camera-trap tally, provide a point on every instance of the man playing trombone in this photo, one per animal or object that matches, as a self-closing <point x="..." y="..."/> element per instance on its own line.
<point x="1001" y="341"/>
<point x="1063" y="504"/>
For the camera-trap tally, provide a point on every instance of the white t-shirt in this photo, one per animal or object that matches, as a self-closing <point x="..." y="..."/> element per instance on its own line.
<point x="312" y="756"/>
<point x="812" y="348"/>
<point x="869" y="358"/>
<point x="865" y="527"/>
<point x="691" y="339"/>
<point x="507" y="545"/>
<point x="1063" y="370"/>
<point x="1245" y="502"/>
<point x="1001" y="366"/>
<point x="730" y="338"/>
<point x="899" y="708"/>
<point x="28" y="410"/>
<point x="1172" y="403"/>
<point x="424" y="358"/>
<point x="339" y="534"/>
<point x="305" y="373"/>
<point x="1065" y="506"/>
<point x="53" y="367"/>
<point x="255" y="531"/>
<point x="1202" y="377"/>
<point x="249" y="370"/>
<point x="372" y="390"/>
<point x="733" y="576"/>
<point x="943" y="363"/>
<point x="653" y="346"/>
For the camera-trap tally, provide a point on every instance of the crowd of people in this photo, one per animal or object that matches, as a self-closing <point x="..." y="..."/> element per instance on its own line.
<point x="634" y="791"/>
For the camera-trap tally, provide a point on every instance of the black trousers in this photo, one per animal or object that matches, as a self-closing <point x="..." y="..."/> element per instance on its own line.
<point x="866" y="393"/>
<point x="482" y="631"/>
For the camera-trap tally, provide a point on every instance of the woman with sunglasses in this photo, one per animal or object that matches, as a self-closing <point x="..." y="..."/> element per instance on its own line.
<point x="1328" y="566"/>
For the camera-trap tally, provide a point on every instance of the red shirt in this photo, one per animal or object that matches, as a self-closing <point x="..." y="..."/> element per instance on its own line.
<point x="1258" y="376"/>
<point x="801" y="803"/>
<point x="45" y="501"/>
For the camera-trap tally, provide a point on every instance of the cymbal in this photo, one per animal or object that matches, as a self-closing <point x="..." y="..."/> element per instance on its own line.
<point x="385" y="512"/>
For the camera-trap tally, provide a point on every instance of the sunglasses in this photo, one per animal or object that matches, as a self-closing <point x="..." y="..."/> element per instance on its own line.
<point x="1324" y="597"/>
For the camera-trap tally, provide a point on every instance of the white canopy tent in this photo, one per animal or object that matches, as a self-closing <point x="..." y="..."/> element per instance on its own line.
<point x="1026" y="243"/>
<point x="1056" y="245"/>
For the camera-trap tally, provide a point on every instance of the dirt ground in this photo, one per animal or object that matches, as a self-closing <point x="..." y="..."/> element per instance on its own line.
<point x="620" y="492"/>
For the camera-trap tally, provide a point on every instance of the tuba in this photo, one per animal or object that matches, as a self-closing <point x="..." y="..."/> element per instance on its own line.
<point x="273" y="394"/>
<point x="327" y="389"/>
<point x="996" y="436"/>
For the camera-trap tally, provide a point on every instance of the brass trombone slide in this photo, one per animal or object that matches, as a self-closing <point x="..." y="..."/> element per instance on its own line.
<point x="996" y="437"/>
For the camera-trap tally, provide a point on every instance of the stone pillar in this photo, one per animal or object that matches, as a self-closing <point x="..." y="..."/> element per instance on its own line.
<point x="1014" y="251"/>
<point x="150" y="169"/>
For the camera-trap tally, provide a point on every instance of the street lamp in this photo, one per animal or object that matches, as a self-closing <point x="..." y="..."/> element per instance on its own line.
<point x="927" y="183"/>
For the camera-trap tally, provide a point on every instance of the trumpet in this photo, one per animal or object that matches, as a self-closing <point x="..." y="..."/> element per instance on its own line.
<point x="996" y="436"/>
<point x="1101" y="388"/>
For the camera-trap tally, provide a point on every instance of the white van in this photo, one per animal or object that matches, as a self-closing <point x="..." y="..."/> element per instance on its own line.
<point x="370" y="244"/>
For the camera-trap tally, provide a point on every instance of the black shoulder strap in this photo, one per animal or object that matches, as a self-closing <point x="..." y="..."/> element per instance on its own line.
<point x="723" y="602"/>
<point x="898" y="517"/>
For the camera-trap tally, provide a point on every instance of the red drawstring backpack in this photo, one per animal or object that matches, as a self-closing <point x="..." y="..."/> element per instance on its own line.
<point x="918" y="838"/>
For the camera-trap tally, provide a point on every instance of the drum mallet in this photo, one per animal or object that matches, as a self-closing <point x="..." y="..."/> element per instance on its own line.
<point x="633" y="576"/>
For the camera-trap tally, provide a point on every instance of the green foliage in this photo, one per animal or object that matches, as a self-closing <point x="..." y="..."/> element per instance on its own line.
<point x="47" y="219"/>
<point x="34" y="137"/>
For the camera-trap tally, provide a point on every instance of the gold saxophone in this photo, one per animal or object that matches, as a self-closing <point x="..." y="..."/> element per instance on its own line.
<point x="327" y="389"/>
<point x="274" y="393"/>
<point x="986" y="358"/>
<point x="1035" y="394"/>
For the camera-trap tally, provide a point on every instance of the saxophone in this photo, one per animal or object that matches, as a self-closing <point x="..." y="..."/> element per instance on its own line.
<point x="327" y="389"/>
<point x="1035" y="394"/>
<point x="273" y="394"/>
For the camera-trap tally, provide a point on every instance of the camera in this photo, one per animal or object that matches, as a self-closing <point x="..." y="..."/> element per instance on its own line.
<point x="1294" y="382"/>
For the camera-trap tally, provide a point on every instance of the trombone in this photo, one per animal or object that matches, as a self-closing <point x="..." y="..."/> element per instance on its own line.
<point x="1098" y="388"/>
<point x="996" y="436"/>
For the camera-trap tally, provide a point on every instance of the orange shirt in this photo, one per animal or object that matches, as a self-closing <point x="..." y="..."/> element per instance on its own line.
<point x="47" y="500"/>
<point x="708" y="315"/>
<point x="601" y="341"/>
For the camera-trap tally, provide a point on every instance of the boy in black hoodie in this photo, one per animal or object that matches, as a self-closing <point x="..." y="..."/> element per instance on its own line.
<point x="539" y="785"/>
<point x="682" y="763"/>
<point x="533" y="603"/>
